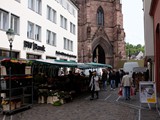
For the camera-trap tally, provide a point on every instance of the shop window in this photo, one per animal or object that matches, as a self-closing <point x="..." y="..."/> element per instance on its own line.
<point x="5" y="53"/>
<point x="47" y="57"/>
<point x="33" y="56"/>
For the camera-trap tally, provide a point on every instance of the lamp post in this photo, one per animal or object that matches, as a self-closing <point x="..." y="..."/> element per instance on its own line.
<point x="10" y="34"/>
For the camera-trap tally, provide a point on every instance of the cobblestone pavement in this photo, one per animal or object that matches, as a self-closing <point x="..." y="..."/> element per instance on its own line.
<point x="109" y="106"/>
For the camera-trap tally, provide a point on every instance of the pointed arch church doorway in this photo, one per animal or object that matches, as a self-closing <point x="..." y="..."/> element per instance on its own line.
<point x="99" y="55"/>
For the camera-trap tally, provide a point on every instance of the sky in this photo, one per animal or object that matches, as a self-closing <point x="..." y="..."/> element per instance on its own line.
<point x="133" y="21"/>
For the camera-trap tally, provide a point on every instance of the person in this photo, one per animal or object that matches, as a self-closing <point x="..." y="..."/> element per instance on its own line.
<point x="126" y="83"/>
<point x="112" y="79"/>
<point x="122" y="73"/>
<point x="94" y="85"/>
<point x="104" y="78"/>
<point x="133" y="78"/>
<point x="70" y="81"/>
<point x="82" y="74"/>
<point x="117" y="80"/>
<point x="90" y="75"/>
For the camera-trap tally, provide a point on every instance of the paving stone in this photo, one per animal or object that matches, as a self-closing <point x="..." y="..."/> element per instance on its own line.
<point x="109" y="106"/>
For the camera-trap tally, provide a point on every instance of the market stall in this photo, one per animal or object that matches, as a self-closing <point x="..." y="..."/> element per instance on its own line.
<point x="15" y="85"/>
<point x="50" y="83"/>
<point x="139" y="74"/>
<point x="24" y="82"/>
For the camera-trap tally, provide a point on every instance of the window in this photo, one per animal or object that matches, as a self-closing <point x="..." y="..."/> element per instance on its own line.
<point x="34" y="31"/>
<point x="17" y="0"/>
<point x="68" y="6"/>
<point x="32" y="56"/>
<point x="35" y="5"/>
<point x="73" y="12"/>
<point x="5" y="53"/>
<point x="63" y="22"/>
<point x="57" y="0"/>
<point x="68" y="44"/>
<point x="64" y="4"/>
<point x="65" y="43"/>
<point x="38" y="6"/>
<point x="31" y="4"/>
<point x="48" y="57"/>
<point x="72" y="28"/>
<point x="37" y="33"/>
<point x="61" y="2"/>
<point x="51" y="38"/>
<point x="30" y="31"/>
<point x="4" y="18"/>
<point x="15" y="23"/>
<point x="100" y="16"/>
<point x="51" y="14"/>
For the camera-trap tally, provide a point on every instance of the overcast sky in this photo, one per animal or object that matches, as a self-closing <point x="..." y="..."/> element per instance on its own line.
<point x="133" y="21"/>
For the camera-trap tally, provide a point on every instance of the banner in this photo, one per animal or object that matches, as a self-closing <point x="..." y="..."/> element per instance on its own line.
<point x="147" y="92"/>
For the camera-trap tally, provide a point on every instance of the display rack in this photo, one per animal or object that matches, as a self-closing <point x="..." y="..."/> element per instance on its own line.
<point x="16" y="85"/>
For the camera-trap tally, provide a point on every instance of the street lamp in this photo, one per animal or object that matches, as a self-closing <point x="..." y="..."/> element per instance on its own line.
<point x="10" y="34"/>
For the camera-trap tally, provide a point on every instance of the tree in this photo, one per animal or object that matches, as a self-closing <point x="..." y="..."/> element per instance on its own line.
<point x="133" y="49"/>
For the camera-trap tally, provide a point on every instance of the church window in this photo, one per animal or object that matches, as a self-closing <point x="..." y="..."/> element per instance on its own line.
<point x="100" y="16"/>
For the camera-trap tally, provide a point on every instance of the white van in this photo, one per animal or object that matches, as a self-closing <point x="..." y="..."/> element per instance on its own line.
<point x="128" y="67"/>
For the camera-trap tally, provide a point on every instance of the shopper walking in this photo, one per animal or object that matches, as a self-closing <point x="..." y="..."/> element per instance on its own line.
<point x="94" y="85"/>
<point x="126" y="83"/>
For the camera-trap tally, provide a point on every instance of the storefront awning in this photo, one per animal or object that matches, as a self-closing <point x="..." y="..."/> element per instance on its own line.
<point x="63" y="63"/>
<point x="98" y="65"/>
<point x="55" y="63"/>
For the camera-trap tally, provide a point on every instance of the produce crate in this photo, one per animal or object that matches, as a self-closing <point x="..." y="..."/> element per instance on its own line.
<point x="7" y="108"/>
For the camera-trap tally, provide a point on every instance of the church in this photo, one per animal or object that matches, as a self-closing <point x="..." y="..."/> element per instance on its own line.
<point x="100" y="31"/>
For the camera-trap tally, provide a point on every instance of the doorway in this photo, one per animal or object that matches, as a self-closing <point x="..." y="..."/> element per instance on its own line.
<point x="99" y="55"/>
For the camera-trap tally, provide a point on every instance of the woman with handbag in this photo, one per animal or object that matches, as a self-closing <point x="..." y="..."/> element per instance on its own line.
<point x="94" y="85"/>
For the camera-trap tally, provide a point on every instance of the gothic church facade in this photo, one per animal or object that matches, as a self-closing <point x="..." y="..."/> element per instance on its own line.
<point x="100" y="31"/>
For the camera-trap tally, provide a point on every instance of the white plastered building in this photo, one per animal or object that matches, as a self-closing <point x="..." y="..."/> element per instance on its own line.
<point x="44" y="29"/>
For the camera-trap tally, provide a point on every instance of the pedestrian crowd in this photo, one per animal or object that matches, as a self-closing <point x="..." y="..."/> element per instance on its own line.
<point x="112" y="78"/>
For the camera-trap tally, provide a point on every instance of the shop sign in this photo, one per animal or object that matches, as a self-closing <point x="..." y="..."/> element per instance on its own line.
<point x="147" y="92"/>
<point x="33" y="45"/>
<point x="65" y="54"/>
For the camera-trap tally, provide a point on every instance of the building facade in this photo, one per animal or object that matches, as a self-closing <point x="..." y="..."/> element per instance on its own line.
<point x="148" y="39"/>
<point x="100" y="31"/>
<point x="154" y="12"/>
<point x="44" y="29"/>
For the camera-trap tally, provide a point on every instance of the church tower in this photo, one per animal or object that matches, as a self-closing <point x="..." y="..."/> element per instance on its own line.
<point x="100" y="31"/>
